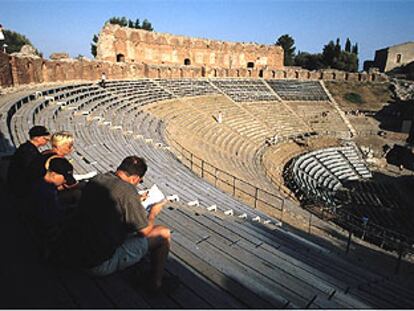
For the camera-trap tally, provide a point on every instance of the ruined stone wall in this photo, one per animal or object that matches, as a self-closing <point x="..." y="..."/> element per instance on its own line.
<point x="122" y="44"/>
<point x="6" y="78"/>
<point x="399" y="55"/>
<point x="25" y="70"/>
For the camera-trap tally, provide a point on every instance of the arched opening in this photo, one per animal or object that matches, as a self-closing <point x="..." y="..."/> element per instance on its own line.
<point x="120" y="58"/>
<point x="45" y="73"/>
<point x="399" y="57"/>
<point x="187" y="62"/>
<point x="215" y="72"/>
<point x="250" y="65"/>
<point x="261" y="73"/>
<point x="273" y="74"/>
<point x="203" y="71"/>
<point x="237" y="73"/>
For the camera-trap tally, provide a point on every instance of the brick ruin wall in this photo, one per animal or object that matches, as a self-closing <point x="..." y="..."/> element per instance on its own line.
<point x="139" y="46"/>
<point x="157" y="55"/>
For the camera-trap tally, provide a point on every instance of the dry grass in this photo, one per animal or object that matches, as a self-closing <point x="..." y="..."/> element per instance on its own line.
<point x="373" y="95"/>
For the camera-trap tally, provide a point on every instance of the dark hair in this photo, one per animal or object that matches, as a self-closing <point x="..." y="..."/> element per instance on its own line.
<point x="133" y="165"/>
<point x="38" y="131"/>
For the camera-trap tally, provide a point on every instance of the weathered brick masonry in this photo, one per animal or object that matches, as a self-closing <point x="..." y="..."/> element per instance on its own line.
<point x="134" y="45"/>
<point x="125" y="53"/>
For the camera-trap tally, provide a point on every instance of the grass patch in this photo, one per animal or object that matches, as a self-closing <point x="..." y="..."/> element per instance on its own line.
<point x="354" y="98"/>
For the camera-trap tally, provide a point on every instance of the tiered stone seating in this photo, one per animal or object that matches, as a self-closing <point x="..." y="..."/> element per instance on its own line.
<point x="229" y="146"/>
<point x="187" y="87"/>
<point x="320" y="116"/>
<point x="379" y="204"/>
<point x="320" y="173"/>
<point x="248" y="264"/>
<point x="245" y="90"/>
<point x="298" y="90"/>
<point x="278" y="117"/>
<point x="143" y="91"/>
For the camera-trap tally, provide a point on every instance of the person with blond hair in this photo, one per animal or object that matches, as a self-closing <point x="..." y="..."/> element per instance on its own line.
<point x="62" y="145"/>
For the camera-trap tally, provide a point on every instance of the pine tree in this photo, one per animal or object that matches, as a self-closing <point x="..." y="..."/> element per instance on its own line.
<point x="355" y="49"/>
<point x="94" y="45"/>
<point x="288" y="45"/>
<point x="328" y="54"/>
<point x="15" y="41"/>
<point x="348" y="45"/>
<point x="137" y="24"/>
<point x="146" y="25"/>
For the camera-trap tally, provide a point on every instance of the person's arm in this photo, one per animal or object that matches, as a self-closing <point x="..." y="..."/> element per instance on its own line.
<point x="155" y="210"/>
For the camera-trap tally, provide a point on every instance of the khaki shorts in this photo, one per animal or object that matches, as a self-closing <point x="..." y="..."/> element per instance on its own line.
<point x="128" y="254"/>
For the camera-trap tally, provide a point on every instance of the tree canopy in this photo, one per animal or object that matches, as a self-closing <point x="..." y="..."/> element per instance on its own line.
<point x="124" y="22"/>
<point x="15" y="41"/>
<point x="288" y="45"/>
<point x="332" y="56"/>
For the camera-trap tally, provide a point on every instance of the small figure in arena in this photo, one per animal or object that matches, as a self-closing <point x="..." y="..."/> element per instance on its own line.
<point x="103" y="80"/>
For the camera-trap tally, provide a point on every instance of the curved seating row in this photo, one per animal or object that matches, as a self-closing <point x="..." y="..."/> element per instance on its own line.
<point x="245" y="90"/>
<point x="320" y="173"/>
<point x="259" y="265"/>
<point x="298" y="90"/>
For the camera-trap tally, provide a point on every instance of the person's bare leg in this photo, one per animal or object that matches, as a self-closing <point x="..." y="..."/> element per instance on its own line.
<point x="159" y="245"/>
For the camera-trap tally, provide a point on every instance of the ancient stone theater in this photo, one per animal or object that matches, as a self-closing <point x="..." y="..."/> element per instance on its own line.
<point x="121" y="44"/>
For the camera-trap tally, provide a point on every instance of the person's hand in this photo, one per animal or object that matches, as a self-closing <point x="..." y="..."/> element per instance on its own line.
<point x="156" y="209"/>
<point x="143" y="196"/>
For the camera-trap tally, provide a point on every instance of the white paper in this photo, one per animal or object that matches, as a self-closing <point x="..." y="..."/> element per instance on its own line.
<point x="154" y="196"/>
<point x="85" y="176"/>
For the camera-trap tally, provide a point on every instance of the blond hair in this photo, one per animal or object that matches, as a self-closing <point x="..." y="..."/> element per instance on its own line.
<point x="60" y="138"/>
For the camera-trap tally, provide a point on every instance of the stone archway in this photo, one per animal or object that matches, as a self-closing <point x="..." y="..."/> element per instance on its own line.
<point x="187" y="62"/>
<point x="120" y="58"/>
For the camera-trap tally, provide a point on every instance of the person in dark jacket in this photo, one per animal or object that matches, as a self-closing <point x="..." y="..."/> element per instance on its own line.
<point x="19" y="171"/>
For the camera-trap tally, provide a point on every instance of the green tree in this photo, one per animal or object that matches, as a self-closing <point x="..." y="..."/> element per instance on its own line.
<point x="309" y="61"/>
<point x="355" y="49"/>
<point x="146" y="25"/>
<point x="351" y="61"/>
<point x="137" y="24"/>
<point x="288" y="45"/>
<point x="328" y="54"/>
<point x="15" y="41"/>
<point x="337" y="48"/>
<point x="348" y="45"/>
<point x="121" y="21"/>
<point x="94" y="45"/>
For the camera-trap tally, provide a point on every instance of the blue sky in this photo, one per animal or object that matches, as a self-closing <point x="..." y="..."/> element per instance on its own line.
<point x="69" y="25"/>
